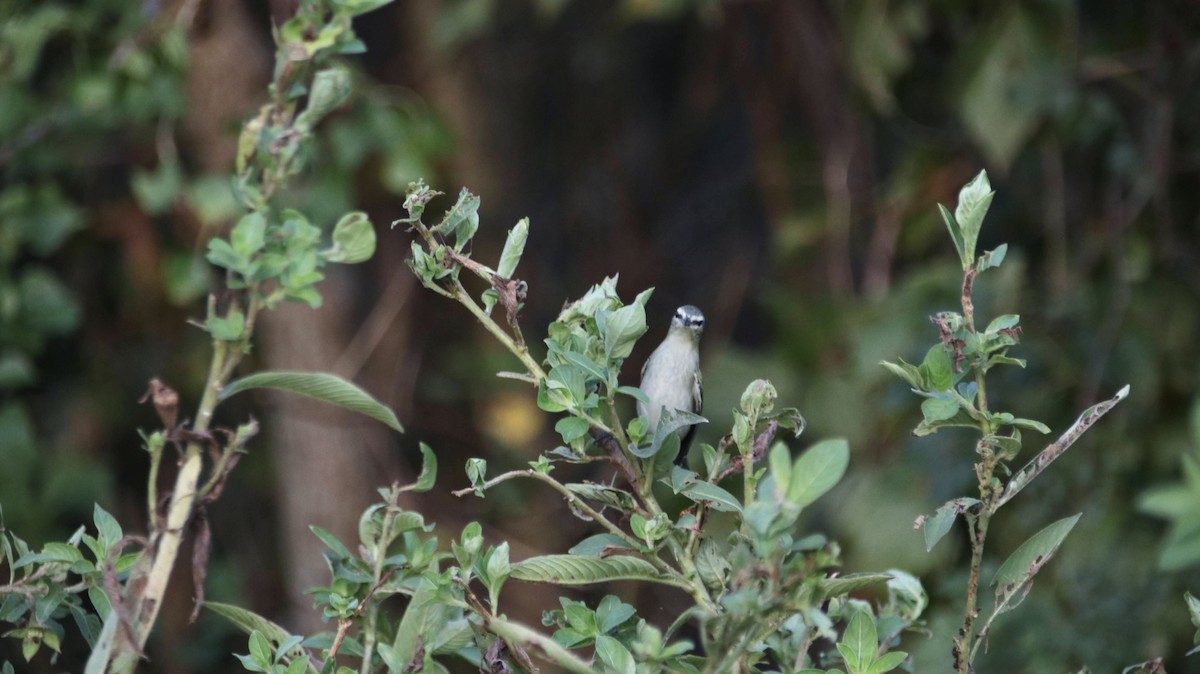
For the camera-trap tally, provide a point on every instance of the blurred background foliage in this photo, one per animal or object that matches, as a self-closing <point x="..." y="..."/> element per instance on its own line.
<point x="775" y="162"/>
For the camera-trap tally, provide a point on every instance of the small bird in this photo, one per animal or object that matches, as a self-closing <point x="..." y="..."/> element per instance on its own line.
<point x="671" y="375"/>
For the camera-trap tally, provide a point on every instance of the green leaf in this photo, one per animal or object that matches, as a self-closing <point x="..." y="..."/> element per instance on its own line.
<point x="758" y="398"/>
<point x="670" y="422"/>
<point x="332" y="542"/>
<point x="260" y="650"/>
<point x="615" y="655"/>
<point x="572" y="428"/>
<point x="780" y="461"/>
<point x="330" y="88"/>
<point x="955" y="234"/>
<point x="938" y="409"/>
<point x="428" y="476"/>
<point x="852" y="582"/>
<point x="907" y="372"/>
<point x="1193" y="606"/>
<point x="248" y="235"/>
<point x="514" y="247"/>
<point x="230" y="328"/>
<point x="635" y="393"/>
<point x="937" y="371"/>
<point x="1003" y="322"/>
<point x="1033" y="553"/>
<point x="355" y="7"/>
<point x="45" y="303"/>
<point x="887" y="662"/>
<point x="575" y="570"/>
<point x="716" y="497"/>
<point x="248" y="621"/>
<point x="992" y="258"/>
<point x="974" y="199"/>
<point x="621" y="330"/>
<point x="321" y="386"/>
<point x="594" y="546"/>
<point x="937" y="526"/>
<point x="859" y="642"/>
<point x="107" y="526"/>
<point x="156" y="191"/>
<point x="462" y="220"/>
<point x="1031" y="425"/>
<point x="818" y="470"/>
<point x="353" y="239"/>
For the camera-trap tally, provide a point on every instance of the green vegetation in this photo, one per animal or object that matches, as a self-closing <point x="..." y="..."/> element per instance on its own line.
<point x="558" y="533"/>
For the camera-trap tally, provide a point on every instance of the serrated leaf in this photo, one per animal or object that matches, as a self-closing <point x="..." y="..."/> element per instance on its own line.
<point x="1034" y="552"/>
<point x="575" y="570"/>
<point x="818" y="470"/>
<point x="321" y="386"/>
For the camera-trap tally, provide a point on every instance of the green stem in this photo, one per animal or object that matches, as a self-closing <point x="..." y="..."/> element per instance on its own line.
<point x="460" y="294"/>
<point x="377" y="574"/>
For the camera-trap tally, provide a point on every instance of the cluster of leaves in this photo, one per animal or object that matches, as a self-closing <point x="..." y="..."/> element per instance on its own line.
<point x="44" y="587"/>
<point x="951" y="379"/>
<point x="763" y="597"/>
<point x="270" y="255"/>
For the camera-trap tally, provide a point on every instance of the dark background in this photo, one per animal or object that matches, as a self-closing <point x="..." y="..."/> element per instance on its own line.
<point x="776" y="163"/>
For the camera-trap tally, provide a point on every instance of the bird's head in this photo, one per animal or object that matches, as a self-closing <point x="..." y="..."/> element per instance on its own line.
<point x="688" y="320"/>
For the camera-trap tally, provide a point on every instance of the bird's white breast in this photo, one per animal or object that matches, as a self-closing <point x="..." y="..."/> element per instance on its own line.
<point x="669" y="379"/>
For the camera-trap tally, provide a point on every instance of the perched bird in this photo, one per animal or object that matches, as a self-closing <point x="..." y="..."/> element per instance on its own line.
<point x="671" y="375"/>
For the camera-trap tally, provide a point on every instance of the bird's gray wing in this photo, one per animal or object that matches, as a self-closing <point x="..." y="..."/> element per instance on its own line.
<point x="697" y="405"/>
